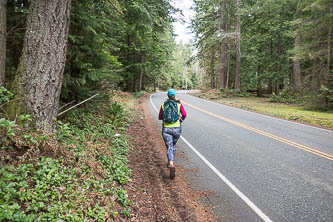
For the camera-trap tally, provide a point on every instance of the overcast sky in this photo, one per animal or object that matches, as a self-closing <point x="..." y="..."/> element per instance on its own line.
<point x="181" y="28"/>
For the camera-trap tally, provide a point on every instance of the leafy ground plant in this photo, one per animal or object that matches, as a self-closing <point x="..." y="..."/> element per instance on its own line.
<point x="82" y="181"/>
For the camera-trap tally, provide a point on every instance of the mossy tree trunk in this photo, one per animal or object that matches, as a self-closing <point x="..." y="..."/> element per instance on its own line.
<point x="40" y="72"/>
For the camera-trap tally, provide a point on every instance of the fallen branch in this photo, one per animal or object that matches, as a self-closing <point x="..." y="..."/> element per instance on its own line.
<point x="77" y="105"/>
<point x="66" y="105"/>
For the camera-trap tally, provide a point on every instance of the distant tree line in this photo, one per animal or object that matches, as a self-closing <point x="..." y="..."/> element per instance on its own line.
<point x="277" y="47"/>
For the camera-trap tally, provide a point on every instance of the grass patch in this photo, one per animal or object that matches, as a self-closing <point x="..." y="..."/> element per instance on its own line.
<point x="76" y="174"/>
<point x="299" y="113"/>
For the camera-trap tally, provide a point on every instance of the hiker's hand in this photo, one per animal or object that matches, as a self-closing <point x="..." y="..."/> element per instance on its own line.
<point x="177" y="100"/>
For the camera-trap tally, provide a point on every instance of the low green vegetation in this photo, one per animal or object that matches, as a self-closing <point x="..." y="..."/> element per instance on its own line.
<point x="76" y="174"/>
<point x="303" y="113"/>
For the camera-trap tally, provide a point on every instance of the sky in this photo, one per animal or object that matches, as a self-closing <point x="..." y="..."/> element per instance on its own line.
<point x="180" y="28"/>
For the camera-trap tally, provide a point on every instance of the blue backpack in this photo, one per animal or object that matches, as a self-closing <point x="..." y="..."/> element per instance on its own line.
<point x="170" y="112"/>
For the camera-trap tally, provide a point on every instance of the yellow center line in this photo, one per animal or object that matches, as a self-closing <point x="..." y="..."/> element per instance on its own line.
<point x="280" y="139"/>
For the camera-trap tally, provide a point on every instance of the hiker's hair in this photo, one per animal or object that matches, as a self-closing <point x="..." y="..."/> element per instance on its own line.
<point x="172" y="97"/>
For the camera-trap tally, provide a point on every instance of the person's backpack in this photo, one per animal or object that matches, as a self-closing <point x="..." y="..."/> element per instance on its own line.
<point x="170" y="112"/>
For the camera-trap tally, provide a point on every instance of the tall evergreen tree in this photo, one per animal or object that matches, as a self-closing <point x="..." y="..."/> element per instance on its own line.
<point x="315" y="47"/>
<point x="206" y="26"/>
<point x="40" y="72"/>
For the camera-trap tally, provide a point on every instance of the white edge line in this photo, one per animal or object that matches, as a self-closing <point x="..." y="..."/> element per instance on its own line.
<point x="259" y="212"/>
<point x="272" y="117"/>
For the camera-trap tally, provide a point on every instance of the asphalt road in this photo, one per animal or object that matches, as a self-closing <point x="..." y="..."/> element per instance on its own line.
<point x="259" y="168"/>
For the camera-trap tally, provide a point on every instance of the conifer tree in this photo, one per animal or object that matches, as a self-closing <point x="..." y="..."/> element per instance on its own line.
<point x="40" y="72"/>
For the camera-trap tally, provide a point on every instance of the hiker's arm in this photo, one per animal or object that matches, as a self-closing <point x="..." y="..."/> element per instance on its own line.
<point x="160" y="115"/>
<point x="183" y="112"/>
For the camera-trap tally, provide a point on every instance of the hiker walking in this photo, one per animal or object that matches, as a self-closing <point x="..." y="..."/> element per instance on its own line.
<point x="172" y="113"/>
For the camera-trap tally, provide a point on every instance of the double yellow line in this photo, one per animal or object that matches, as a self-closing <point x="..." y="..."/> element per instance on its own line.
<point x="280" y="139"/>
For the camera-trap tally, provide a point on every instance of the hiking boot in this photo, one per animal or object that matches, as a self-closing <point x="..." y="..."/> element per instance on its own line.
<point x="172" y="172"/>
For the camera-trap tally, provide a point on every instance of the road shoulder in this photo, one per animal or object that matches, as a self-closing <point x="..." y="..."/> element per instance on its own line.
<point x="155" y="197"/>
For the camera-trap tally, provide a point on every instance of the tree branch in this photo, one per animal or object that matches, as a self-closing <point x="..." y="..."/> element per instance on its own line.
<point x="115" y="7"/>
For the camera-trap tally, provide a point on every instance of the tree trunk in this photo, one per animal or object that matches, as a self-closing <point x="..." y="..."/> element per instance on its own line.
<point x="259" y="88"/>
<point x="270" y="80"/>
<point x="238" y="50"/>
<point x="141" y="72"/>
<point x="277" y="87"/>
<point x="221" y="79"/>
<point x="315" y="76"/>
<point x="228" y="70"/>
<point x="270" y="87"/>
<point x="222" y="76"/>
<point x="42" y="64"/>
<point x="212" y="69"/>
<point x="154" y="85"/>
<point x="3" y="39"/>
<point x="134" y="81"/>
<point x="297" y="65"/>
<point x="329" y="39"/>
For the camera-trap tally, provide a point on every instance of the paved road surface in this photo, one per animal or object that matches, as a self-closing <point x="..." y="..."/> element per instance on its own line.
<point x="259" y="168"/>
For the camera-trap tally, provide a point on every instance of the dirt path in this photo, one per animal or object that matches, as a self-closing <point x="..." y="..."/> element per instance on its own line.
<point x="155" y="196"/>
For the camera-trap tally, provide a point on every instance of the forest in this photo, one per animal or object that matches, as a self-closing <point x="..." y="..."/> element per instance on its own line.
<point x="276" y="48"/>
<point x="75" y="49"/>
<point x="281" y="48"/>
<point x="54" y="54"/>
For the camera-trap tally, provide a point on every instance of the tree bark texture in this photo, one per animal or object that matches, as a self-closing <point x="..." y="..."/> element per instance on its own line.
<point x="3" y="39"/>
<point x="329" y="39"/>
<point x="228" y="69"/>
<point x="270" y="86"/>
<point x="43" y="60"/>
<point x="212" y="70"/>
<point x="259" y="87"/>
<point x="277" y="81"/>
<point x="315" y="78"/>
<point x="297" y="65"/>
<point x="141" y="71"/>
<point x="238" y="49"/>
<point x="223" y="53"/>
